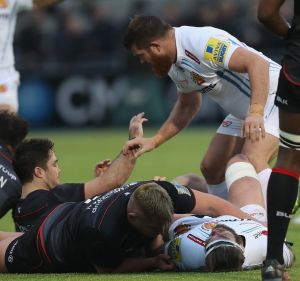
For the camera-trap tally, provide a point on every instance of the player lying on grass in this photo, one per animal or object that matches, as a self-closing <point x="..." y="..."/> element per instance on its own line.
<point x="108" y="232"/>
<point x="36" y="164"/>
<point x="226" y="242"/>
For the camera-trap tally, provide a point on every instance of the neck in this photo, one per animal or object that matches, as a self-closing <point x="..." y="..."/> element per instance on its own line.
<point x="27" y="188"/>
<point x="172" y="46"/>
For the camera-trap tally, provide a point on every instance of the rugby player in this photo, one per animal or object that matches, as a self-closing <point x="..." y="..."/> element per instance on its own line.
<point x="13" y="130"/>
<point x="37" y="167"/>
<point x="226" y="242"/>
<point x="9" y="77"/>
<point x="284" y="180"/>
<point x="209" y="61"/>
<point x="108" y="232"/>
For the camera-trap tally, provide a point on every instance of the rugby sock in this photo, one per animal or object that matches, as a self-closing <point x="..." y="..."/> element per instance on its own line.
<point x="264" y="177"/>
<point x="219" y="190"/>
<point x="281" y="197"/>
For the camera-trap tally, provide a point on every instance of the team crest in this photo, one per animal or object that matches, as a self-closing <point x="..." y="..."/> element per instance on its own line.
<point x="3" y="88"/>
<point x="3" y="4"/>
<point x="197" y="78"/>
<point x="209" y="225"/>
<point x="182" y="228"/>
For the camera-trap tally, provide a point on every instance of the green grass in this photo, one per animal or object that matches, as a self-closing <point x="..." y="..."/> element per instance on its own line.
<point x="78" y="151"/>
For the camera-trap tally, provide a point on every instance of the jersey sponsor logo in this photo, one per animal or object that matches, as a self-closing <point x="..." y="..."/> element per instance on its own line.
<point x="208" y="88"/>
<point x="182" y="228"/>
<point x="3" y="181"/>
<point x="198" y="79"/>
<point x="3" y="88"/>
<point x="216" y="50"/>
<point x="196" y="239"/>
<point x="3" y="4"/>
<point x="226" y="123"/>
<point x="282" y="101"/>
<point x="192" y="56"/>
<point x="10" y="257"/>
<point x="283" y="214"/>
<point x="7" y="172"/>
<point x="174" y="249"/>
<point x="182" y="189"/>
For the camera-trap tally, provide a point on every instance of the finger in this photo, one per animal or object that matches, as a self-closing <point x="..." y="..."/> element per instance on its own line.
<point x="263" y="131"/>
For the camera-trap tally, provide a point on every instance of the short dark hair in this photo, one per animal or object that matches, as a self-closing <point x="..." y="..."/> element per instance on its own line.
<point x="227" y="257"/>
<point x="30" y="154"/>
<point x="13" y="129"/>
<point x="143" y="29"/>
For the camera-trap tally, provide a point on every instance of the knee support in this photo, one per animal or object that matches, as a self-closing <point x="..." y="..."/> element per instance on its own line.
<point x="288" y="140"/>
<point x="239" y="170"/>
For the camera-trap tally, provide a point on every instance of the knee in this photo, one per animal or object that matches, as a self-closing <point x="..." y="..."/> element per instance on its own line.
<point x="212" y="172"/>
<point x="238" y="158"/>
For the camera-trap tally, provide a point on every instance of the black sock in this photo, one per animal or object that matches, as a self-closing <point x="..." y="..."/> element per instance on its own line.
<point x="281" y="196"/>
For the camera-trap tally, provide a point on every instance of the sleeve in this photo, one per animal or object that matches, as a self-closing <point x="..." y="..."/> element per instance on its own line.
<point x="69" y="192"/>
<point x="183" y="197"/>
<point x="217" y="49"/>
<point x="9" y="196"/>
<point x="24" y="5"/>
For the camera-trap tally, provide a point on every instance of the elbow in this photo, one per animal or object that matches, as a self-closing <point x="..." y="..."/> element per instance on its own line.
<point x="264" y="15"/>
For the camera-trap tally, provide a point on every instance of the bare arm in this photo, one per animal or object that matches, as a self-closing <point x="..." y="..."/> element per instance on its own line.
<point x="268" y="14"/>
<point x="245" y="61"/>
<point x="120" y="169"/>
<point x="37" y="4"/>
<point x="186" y="107"/>
<point x="214" y="206"/>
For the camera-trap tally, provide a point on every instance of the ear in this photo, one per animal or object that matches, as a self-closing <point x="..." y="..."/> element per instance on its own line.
<point x="131" y="215"/>
<point x="38" y="172"/>
<point x="154" y="46"/>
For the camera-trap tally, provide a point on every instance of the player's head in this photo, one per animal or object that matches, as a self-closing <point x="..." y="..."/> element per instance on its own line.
<point x="35" y="159"/>
<point x="148" y="38"/>
<point x="13" y="129"/>
<point x="224" y="250"/>
<point x="150" y="210"/>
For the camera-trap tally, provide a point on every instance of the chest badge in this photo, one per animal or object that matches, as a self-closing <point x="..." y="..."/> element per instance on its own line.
<point x="198" y="79"/>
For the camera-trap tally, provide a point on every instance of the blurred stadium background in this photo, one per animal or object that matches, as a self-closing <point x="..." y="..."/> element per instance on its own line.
<point x="75" y="72"/>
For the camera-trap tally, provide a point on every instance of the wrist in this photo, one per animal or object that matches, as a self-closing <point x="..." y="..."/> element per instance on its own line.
<point x="157" y="141"/>
<point x="256" y="109"/>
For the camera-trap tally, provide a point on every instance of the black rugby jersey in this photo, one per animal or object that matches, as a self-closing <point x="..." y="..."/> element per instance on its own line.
<point x="10" y="185"/>
<point x="37" y="204"/>
<point x="76" y="236"/>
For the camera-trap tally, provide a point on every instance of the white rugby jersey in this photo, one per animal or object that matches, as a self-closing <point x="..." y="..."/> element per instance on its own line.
<point x="8" y="15"/>
<point x="188" y="235"/>
<point x="203" y="54"/>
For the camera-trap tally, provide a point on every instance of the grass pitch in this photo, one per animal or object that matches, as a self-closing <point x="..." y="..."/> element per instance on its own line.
<point x="78" y="151"/>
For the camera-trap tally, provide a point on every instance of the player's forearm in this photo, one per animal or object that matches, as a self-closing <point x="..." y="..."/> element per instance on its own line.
<point x="115" y="176"/>
<point x="44" y="3"/>
<point x="182" y="114"/>
<point x="258" y="72"/>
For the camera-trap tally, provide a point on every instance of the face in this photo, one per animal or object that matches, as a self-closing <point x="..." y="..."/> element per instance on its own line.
<point x="52" y="172"/>
<point x="220" y="232"/>
<point x="148" y="229"/>
<point x="154" y="56"/>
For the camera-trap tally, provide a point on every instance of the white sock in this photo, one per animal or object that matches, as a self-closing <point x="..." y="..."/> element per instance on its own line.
<point x="219" y="190"/>
<point x="263" y="177"/>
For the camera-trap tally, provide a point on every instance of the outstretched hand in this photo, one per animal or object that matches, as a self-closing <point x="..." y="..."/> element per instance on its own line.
<point x="136" y="125"/>
<point x="101" y="167"/>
